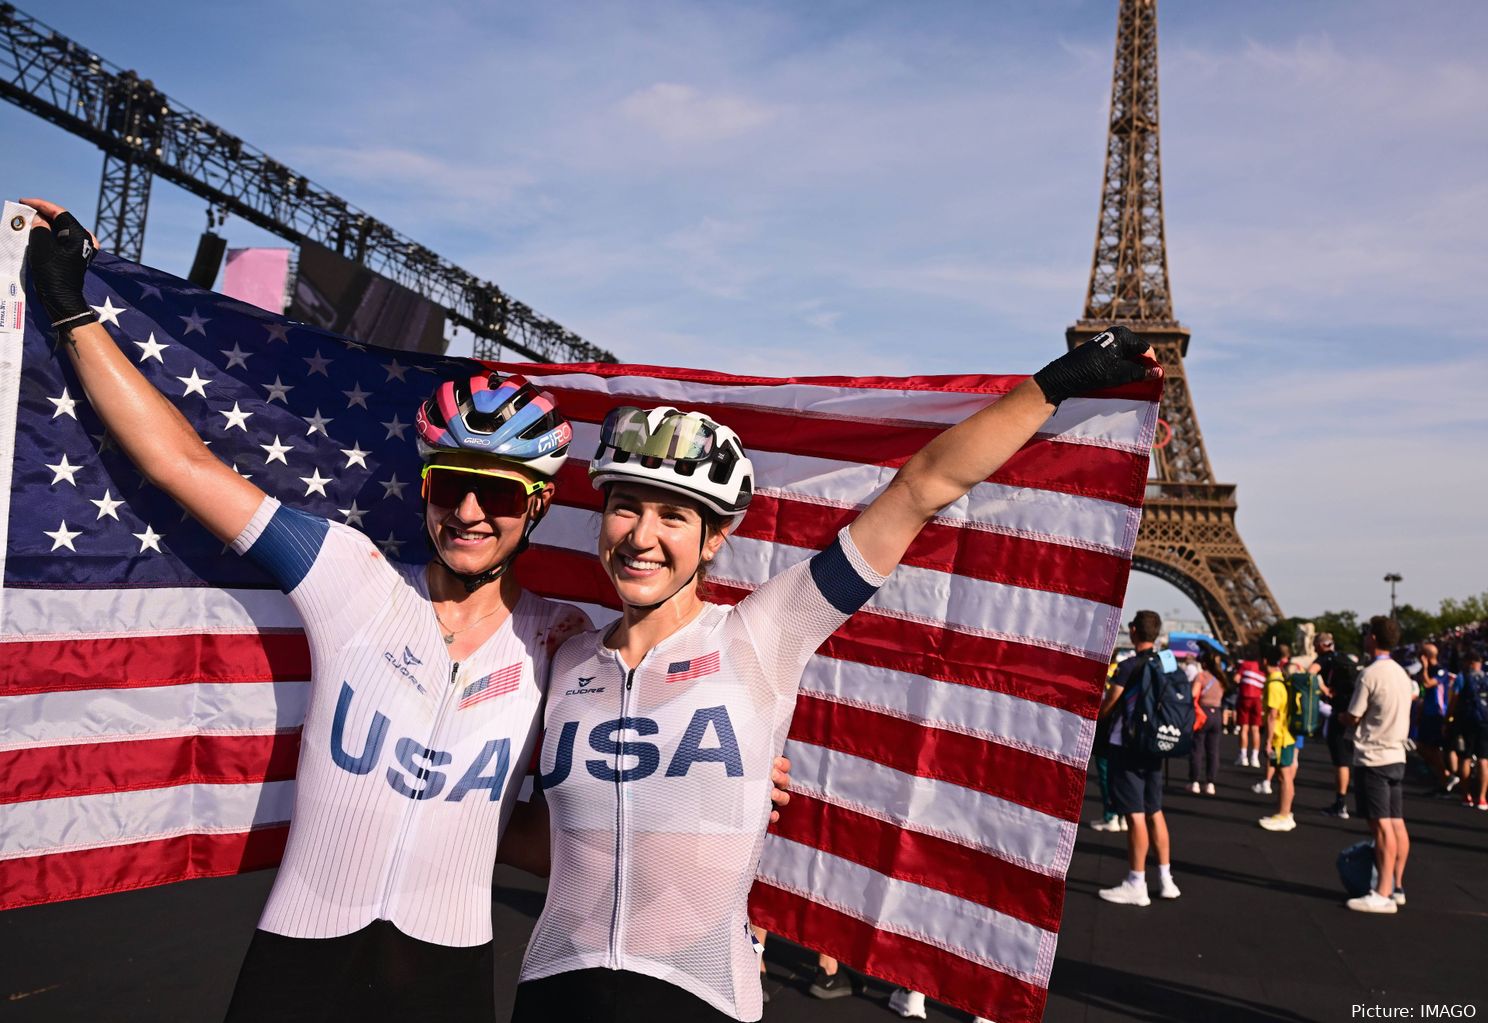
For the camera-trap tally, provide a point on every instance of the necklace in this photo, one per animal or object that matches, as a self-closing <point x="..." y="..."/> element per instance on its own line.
<point x="450" y="634"/>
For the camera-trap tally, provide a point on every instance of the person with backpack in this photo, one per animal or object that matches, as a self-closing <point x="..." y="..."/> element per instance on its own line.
<point x="1470" y="711"/>
<point x="1208" y="694"/>
<point x="1336" y="674"/>
<point x="1133" y="704"/>
<point x="1283" y="748"/>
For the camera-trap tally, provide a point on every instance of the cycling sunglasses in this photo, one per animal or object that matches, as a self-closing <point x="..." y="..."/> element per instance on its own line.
<point x="680" y="438"/>
<point x="500" y="494"/>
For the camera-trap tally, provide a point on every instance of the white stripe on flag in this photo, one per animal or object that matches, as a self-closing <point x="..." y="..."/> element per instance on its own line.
<point x="1007" y="830"/>
<point x="42" y="614"/>
<point x="1000" y="717"/>
<point x="151" y="712"/>
<point x="75" y="823"/>
<point x="965" y="928"/>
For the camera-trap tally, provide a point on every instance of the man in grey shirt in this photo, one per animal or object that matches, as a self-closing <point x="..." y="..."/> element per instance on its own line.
<point x="1380" y="708"/>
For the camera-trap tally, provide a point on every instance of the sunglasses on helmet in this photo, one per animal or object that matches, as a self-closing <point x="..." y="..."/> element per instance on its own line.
<point x="499" y="493"/>
<point x="678" y="439"/>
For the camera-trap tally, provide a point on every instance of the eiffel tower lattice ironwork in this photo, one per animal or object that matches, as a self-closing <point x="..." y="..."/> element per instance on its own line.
<point x="1188" y="534"/>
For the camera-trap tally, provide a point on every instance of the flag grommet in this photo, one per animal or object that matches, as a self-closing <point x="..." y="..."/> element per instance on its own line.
<point x="17" y="222"/>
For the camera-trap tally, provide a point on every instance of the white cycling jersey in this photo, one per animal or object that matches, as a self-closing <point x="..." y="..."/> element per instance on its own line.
<point x="409" y="763"/>
<point x="658" y="780"/>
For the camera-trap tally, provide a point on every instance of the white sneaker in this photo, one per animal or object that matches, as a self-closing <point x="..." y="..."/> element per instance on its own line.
<point x="1106" y="824"/>
<point x="1279" y="822"/>
<point x="1374" y="902"/>
<point x="1195" y="787"/>
<point x="1169" y="889"/>
<point x="1209" y="789"/>
<point x="1128" y="893"/>
<point x="1398" y="896"/>
<point x="1255" y="758"/>
<point x="1243" y="760"/>
<point x="907" y="1003"/>
<point x="1261" y="788"/>
<point x="1127" y="827"/>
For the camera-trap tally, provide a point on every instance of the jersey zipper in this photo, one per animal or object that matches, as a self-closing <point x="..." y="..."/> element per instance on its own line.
<point x="615" y="929"/>
<point x="398" y="849"/>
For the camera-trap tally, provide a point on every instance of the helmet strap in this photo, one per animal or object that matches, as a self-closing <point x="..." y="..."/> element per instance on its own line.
<point x="474" y="581"/>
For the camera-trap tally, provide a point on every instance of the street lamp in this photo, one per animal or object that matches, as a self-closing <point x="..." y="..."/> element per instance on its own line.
<point x="1392" y="578"/>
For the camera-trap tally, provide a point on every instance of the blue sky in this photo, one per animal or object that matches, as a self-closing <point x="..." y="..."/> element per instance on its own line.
<point x="912" y="188"/>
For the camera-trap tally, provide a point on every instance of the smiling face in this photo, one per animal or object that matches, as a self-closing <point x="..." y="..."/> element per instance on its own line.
<point x="651" y="542"/>
<point x="476" y="521"/>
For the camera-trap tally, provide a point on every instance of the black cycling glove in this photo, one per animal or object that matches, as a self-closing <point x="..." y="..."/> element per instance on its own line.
<point x="1106" y="360"/>
<point x="59" y="259"/>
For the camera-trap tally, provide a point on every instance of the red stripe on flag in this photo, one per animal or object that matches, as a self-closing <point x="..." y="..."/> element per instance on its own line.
<point x="29" y="880"/>
<point x="905" y="961"/>
<point x="924" y="751"/>
<point x="975" y="553"/>
<point x="82" y="769"/>
<point x="1085" y="469"/>
<point x="1051" y="677"/>
<point x="137" y="662"/>
<point x="924" y="860"/>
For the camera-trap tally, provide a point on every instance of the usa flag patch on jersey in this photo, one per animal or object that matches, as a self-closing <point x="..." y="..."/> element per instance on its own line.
<point x="498" y="683"/>
<point x="697" y="667"/>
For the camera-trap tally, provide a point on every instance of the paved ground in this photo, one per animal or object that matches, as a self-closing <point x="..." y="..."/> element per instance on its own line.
<point x="1260" y="933"/>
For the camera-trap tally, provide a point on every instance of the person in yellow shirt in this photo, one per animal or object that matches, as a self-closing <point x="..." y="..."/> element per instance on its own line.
<point x="1283" y="747"/>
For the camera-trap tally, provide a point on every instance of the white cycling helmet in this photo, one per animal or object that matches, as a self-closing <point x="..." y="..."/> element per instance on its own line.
<point x="684" y="452"/>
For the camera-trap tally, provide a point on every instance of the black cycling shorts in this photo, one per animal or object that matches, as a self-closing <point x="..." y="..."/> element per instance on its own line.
<point x="609" y="996"/>
<point x="376" y="973"/>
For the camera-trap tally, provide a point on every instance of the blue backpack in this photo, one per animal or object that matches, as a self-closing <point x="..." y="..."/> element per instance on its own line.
<point x="1161" y="721"/>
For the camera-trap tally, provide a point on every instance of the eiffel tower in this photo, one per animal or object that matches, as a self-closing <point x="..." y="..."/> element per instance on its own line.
<point x="1188" y="534"/>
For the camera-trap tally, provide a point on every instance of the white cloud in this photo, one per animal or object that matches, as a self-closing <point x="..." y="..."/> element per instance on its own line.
<point x="683" y="115"/>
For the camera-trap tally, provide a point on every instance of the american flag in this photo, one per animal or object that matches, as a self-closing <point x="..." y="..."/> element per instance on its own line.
<point x="697" y="667"/>
<point x="498" y="683"/>
<point x="152" y="686"/>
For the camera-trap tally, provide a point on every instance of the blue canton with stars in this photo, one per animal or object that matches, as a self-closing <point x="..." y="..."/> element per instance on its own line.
<point x="318" y="421"/>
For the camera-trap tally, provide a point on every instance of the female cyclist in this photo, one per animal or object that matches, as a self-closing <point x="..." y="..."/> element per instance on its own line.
<point x="660" y="729"/>
<point x="426" y="682"/>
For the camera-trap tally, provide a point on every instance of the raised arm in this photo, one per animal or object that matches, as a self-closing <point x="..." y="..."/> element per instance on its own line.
<point x="966" y="454"/>
<point x="147" y="428"/>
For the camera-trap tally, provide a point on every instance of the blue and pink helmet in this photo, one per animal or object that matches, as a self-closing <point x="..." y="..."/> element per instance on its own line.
<point x="508" y="419"/>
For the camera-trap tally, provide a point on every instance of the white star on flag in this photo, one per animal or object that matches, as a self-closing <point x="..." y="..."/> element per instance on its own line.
<point x="392" y="488"/>
<point x="150" y="291"/>
<point x="395" y="428"/>
<point x="276" y="451"/>
<point x="194" y="383"/>
<point x="63" y="470"/>
<point x="317" y="364"/>
<point x="236" y="356"/>
<point x="277" y="332"/>
<point x="353" y="514"/>
<point x="237" y="417"/>
<point x="395" y="371"/>
<point x="317" y="423"/>
<point x="151" y="349"/>
<point x="240" y="472"/>
<point x="106" y="505"/>
<point x="66" y="405"/>
<point x="355" y="454"/>
<point x="195" y="323"/>
<point x="63" y="536"/>
<point x="149" y="538"/>
<point x="278" y="389"/>
<point x="356" y="396"/>
<point x="315" y="483"/>
<point x="107" y="313"/>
